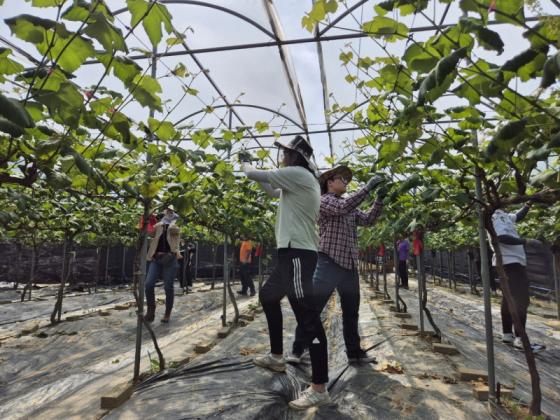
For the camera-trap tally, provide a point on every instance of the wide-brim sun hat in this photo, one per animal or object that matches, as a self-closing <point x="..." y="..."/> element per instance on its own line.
<point x="341" y="171"/>
<point x="298" y="144"/>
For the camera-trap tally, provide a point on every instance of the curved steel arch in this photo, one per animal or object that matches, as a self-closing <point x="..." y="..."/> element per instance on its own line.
<point x="212" y="6"/>
<point x="264" y="108"/>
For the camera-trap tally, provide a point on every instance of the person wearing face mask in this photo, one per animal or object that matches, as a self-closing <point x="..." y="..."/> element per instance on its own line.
<point x="337" y="266"/>
<point x="163" y="255"/>
<point x="295" y="184"/>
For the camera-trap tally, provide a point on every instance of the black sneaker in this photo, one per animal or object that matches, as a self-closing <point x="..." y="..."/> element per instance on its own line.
<point x="362" y="357"/>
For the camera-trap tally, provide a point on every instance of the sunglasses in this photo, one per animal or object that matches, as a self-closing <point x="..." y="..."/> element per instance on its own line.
<point x="341" y="178"/>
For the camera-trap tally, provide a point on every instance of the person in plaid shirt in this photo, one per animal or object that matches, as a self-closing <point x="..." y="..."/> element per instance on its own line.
<point x="337" y="265"/>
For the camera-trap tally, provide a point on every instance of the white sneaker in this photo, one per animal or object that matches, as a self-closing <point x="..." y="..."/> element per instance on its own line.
<point x="507" y="338"/>
<point x="295" y="358"/>
<point x="270" y="362"/>
<point x="518" y="345"/>
<point x="310" y="398"/>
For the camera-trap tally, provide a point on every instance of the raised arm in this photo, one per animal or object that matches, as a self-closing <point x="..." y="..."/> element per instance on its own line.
<point x="369" y="218"/>
<point x="262" y="177"/>
<point x="333" y="206"/>
<point x="520" y="215"/>
<point x="272" y="192"/>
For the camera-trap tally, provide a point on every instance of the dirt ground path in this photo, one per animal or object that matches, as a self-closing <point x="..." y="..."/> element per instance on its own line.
<point x="62" y="371"/>
<point x="460" y="317"/>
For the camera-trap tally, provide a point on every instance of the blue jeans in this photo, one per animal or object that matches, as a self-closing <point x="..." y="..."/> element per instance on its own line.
<point x="156" y="271"/>
<point x="329" y="276"/>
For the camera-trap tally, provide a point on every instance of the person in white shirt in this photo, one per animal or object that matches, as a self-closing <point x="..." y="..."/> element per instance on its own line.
<point x="297" y="240"/>
<point x="514" y="260"/>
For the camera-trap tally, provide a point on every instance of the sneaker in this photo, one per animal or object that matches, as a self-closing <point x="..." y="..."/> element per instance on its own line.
<point x="295" y="357"/>
<point x="253" y="293"/>
<point x="310" y="398"/>
<point x="507" y="338"/>
<point x="241" y="292"/>
<point x="362" y="357"/>
<point x="518" y="345"/>
<point x="269" y="362"/>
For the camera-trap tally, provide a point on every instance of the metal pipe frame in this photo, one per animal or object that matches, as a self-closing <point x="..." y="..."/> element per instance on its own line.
<point x="264" y="108"/>
<point x="211" y="6"/>
<point x="357" y="34"/>
<point x="325" y="90"/>
<point x="219" y="92"/>
<point x="284" y="57"/>
<point x="334" y="130"/>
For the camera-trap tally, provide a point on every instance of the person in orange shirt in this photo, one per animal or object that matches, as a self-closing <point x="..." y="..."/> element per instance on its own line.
<point x="245" y="251"/>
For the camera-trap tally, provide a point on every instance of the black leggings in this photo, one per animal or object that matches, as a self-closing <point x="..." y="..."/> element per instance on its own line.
<point x="519" y="287"/>
<point x="403" y="273"/>
<point x="293" y="276"/>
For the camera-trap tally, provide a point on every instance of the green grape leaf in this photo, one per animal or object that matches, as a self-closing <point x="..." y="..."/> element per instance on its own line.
<point x="387" y="28"/>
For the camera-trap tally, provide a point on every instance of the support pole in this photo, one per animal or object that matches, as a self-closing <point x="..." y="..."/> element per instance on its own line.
<point x="225" y="277"/>
<point x="260" y="267"/>
<point x="420" y="279"/>
<point x="195" y="262"/>
<point x="384" y="262"/>
<point x="123" y="265"/>
<point x="397" y="276"/>
<point x="107" y="265"/>
<point x="140" y="309"/>
<point x="143" y="255"/>
<point x="485" y="274"/>
<point x="556" y="283"/>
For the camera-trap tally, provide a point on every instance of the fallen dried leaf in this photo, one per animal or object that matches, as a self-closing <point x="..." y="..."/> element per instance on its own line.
<point x="246" y="351"/>
<point x="392" y="367"/>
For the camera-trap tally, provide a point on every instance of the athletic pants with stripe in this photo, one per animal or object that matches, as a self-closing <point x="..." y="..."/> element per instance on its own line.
<point x="293" y="276"/>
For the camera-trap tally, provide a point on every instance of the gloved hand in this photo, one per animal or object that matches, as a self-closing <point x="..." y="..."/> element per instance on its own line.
<point x="244" y="156"/>
<point x="382" y="192"/>
<point x="374" y="182"/>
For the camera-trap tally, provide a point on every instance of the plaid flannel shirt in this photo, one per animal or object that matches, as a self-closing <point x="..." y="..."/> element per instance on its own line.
<point x="338" y="222"/>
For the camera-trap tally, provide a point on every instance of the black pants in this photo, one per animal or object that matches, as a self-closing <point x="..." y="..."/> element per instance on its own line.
<point x="403" y="273"/>
<point x="519" y="287"/>
<point x="246" y="280"/>
<point x="185" y="275"/>
<point x="328" y="277"/>
<point x="293" y="276"/>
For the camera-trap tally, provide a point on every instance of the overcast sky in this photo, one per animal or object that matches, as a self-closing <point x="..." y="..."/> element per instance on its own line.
<point x="256" y="76"/>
